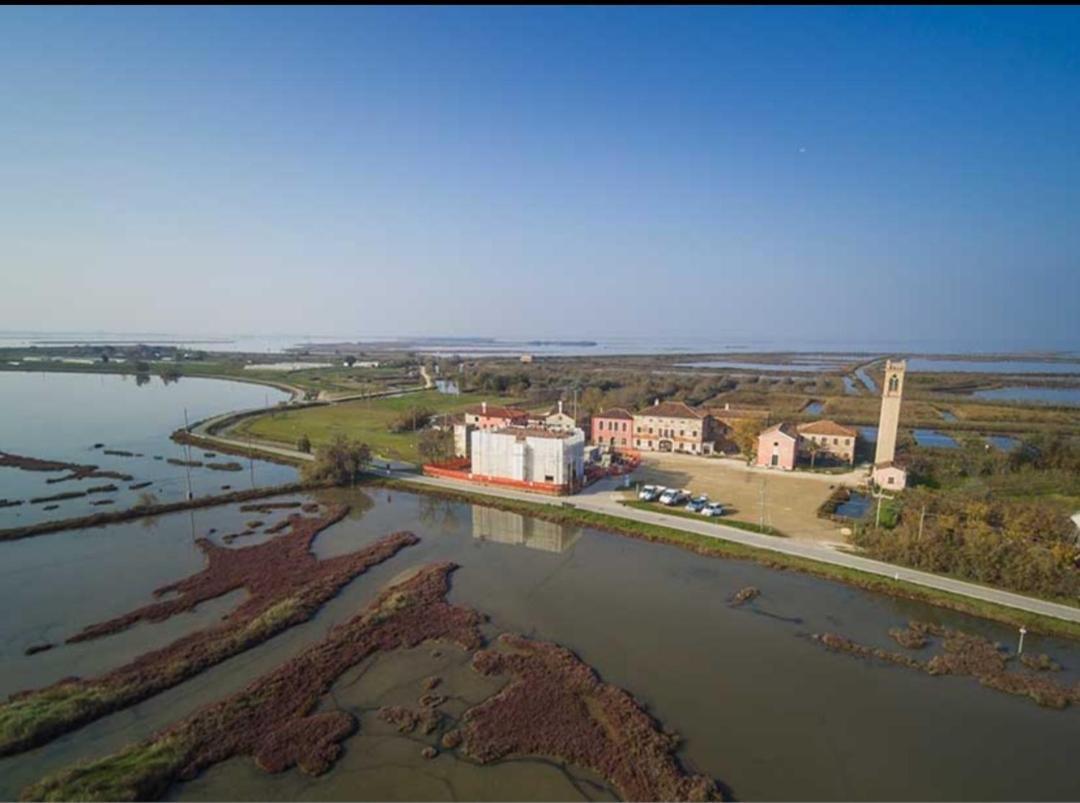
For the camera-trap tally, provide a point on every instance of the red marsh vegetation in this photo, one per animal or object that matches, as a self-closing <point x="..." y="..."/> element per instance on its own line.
<point x="286" y="585"/>
<point x="556" y="706"/>
<point x="272" y="718"/>
<point x="964" y="654"/>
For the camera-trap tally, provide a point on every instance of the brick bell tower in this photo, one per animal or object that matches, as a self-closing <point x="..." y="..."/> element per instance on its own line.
<point x="891" y="394"/>
<point x="884" y="472"/>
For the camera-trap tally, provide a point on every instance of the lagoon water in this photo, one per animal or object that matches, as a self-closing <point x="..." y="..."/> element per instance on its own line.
<point x="747" y="688"/>
<point x="1065" y="396"/>
<point x="61" y="416"/>
<point x="934" y="439"/>
<point x="932" y="364"/>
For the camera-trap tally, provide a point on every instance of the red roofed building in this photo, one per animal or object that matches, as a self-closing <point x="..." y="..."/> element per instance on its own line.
<point x="832" y="438"/>
<point x="614" y="428"/>
<point x="778" y="447"/>
<point x="494" y="416"/>
<point x="674" y="426"/>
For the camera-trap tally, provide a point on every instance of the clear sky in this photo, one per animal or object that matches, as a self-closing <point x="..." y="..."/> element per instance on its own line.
<point x="833" y="173"/>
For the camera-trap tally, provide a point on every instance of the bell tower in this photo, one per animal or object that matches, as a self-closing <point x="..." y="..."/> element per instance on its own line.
<point x="891" y="393"/>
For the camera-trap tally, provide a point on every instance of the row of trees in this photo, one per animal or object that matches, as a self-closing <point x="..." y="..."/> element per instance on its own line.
<point x="1023" y="545"/>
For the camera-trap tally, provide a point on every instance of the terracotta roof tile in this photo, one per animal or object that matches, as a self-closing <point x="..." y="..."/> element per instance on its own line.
<point x="615" y="412"/>
<point x="671" y="409"/>
<point x="826" y="427"/>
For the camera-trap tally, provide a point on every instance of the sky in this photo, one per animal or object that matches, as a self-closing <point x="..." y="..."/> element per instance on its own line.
<point x="817" y="173"/>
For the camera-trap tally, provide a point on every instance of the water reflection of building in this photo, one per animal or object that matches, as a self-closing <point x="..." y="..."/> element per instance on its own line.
<point x="501" y="526"/>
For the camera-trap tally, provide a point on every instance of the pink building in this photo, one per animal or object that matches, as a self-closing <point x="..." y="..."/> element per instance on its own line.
<point x="778" y="447"/>
<point x="614" y="428"/>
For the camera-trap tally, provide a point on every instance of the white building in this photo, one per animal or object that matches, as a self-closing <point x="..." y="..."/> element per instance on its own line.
<point x="549" y="459"/>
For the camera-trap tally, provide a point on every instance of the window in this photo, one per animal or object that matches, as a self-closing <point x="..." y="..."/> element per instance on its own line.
<point x="889" y="480"/>
<point x="835" y="441"/>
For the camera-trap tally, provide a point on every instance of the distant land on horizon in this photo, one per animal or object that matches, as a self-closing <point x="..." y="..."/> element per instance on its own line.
<point x="479" y="345"/>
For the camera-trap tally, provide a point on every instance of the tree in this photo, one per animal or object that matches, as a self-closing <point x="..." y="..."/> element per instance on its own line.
<point x="435" y="445"/>
<point x="812" y="448"/>
<point x="341" y="461"/>
<point x="303" y="444"/>
<point x="350" y="361"/>
<point x="744" y="433"/>
<point x="411" y="419"/>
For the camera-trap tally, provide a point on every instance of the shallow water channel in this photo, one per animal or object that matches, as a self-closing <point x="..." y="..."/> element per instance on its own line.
<point x="62" y="417"/>
<point x="761" y="706"/>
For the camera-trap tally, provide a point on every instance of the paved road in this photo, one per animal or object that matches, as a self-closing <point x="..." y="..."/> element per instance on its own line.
<point x="603" y="497"/>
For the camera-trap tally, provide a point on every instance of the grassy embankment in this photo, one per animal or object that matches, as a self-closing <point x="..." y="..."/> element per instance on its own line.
<point x="716" y="547"/>
<point x="366" y="420"/>
<point x="686" y="514"/>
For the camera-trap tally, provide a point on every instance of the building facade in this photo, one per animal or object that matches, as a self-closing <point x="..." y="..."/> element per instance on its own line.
<point x="613" y="428"/>
<point x="832" y="438"/>
<point x="673" y="427"/>
<point x="547" y="459"/>
<point x="778" y="447"/>
<point x="494" y="416"/>
<point x="559" y="420"/>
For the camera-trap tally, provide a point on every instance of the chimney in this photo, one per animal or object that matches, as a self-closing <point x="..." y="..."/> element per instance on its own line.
<point x="483" y="407"/>
<point x="727" y="405"/>
<point x="560" y="406"/>
<point x="656" y="402"/>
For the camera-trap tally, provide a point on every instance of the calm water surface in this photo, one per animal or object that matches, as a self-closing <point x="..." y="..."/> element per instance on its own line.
<point x="935" y="439"/>
<point x="747" y="688"/>
<point x="61" y="416"/>
<point x="930" y="364"/>
<point x="1069" y="396"/>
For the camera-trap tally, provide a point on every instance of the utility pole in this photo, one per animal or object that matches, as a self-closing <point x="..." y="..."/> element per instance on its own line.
<point x="922" y="518"/>
<point x="761" y="523"/>
<point x="1020" y="647"/>
<point x="187" y="454"/>
<point x="879" y="496"/>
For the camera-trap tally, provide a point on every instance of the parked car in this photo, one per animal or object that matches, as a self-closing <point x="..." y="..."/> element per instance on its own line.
<point x="712" y="509"/>
<point x="698" y="504"/>
<point x="673" y="496"/>
<point x="649" y="493"/>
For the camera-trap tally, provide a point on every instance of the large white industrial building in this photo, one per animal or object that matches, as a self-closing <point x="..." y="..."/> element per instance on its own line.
<point x="543" y="458"/>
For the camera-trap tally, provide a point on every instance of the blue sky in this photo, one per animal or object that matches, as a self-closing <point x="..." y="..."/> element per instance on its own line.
<point x="818" y="172"/>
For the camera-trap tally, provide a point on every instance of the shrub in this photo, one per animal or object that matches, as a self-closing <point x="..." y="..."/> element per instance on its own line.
<point x="340" y="461"/>
<point x="303" y="444"/>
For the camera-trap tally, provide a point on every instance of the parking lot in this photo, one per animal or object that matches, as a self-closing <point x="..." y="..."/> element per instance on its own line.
<point x="791" y="501"/>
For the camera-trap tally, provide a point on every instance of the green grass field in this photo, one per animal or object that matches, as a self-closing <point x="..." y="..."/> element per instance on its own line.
<point x="367" y="421"/>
